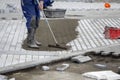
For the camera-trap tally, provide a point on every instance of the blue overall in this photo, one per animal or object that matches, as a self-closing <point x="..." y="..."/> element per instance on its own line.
<point x="30" y="10"/>
<point x="48" y="3"/>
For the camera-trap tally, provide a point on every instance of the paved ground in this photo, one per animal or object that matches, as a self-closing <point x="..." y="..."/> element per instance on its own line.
<point x="90" y="37"/>
<point x="90" y="26"/>
<point x="74" y="72"/>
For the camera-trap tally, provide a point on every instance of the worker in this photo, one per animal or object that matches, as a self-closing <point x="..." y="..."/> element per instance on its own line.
<point x="48" y="3"/>
<point x="31" y="12"/>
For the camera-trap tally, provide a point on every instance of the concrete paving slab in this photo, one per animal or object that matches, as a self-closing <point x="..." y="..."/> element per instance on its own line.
<point x="101" y="66"/>
<point x="81" y="59"/>
<point x="62" y="67"/>
<point x="99" y="75"/>
<point x="90" y="37"/>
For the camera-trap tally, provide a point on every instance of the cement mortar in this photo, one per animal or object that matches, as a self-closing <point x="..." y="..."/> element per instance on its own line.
<point x="64" y="30"/>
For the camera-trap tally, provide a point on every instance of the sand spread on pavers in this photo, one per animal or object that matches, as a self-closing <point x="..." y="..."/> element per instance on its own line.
<point x="64" y="30"/>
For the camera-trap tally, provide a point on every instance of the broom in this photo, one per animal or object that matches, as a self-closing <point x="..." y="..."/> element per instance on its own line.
<point x="53" y="35"/>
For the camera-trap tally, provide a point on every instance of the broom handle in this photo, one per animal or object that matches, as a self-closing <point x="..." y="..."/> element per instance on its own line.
<point x="53" y="35"/>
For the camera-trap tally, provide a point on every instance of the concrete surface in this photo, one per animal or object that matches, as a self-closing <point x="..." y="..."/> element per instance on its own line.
<point x="13" y="33"/>
<point x="90" y="28"/>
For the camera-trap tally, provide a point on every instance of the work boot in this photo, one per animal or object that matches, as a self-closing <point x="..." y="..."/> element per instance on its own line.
<point x="37" y="25"/>
<point x="37" y="42"/>
<point x="30" y="39"/>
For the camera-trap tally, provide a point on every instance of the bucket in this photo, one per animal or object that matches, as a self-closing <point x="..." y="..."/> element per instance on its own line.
<point x="112" y="32"/>
<point x="55" y="13"/>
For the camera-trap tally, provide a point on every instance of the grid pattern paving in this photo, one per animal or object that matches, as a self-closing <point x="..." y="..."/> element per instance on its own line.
<point x="13" y="32"/>
<point x="10" y="59"/>
<point x="16" y="3"/>
<point x="91" y="34"/>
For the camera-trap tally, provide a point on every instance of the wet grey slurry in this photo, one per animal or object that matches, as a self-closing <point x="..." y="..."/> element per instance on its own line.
<point x="64" y="30"/>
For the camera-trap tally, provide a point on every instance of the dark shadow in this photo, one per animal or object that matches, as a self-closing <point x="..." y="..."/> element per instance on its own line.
<point x="64" y="30"/>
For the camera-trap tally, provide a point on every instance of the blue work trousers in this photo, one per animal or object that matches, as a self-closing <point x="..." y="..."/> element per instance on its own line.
<point x="31" y="12"/>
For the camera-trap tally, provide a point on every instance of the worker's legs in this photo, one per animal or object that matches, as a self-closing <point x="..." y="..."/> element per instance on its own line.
<point x="29" y="12"/>
<point x="31" y="42"/>
<point x="37" y="23"/>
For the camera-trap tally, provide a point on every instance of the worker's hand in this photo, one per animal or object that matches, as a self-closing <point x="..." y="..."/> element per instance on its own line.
<point x="40" y="5"/>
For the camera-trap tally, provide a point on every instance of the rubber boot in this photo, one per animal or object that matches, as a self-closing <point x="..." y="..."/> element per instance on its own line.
<point x="37" y="25"/>
<point x="31" y="39"/>
<point x="37" y="42"/>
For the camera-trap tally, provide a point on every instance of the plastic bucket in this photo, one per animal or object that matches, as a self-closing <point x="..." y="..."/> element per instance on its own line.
<point x="54" y="13"/>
